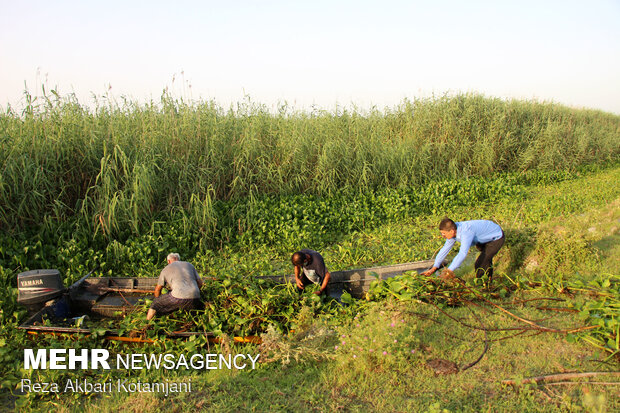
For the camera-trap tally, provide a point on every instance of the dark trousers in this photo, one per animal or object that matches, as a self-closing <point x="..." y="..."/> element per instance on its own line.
<point x="484" y="262"/>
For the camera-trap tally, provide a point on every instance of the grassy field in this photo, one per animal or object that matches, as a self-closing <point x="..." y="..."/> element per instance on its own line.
<point x="315" y="368"/>
<point x="235" y="192"/>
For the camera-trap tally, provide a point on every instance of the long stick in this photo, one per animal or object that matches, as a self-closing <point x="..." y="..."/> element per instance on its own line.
<point x="602" y="383"/>
<point x="123" y="297"/>
<point x="486" y="344"/>
<point x="538" y="326"/>
<point x="560" y="309"/>
<point x="560" y="376"/>
<point x="481" y="328"/>
<point x="124" y="290"/>
<point x="533" y="324"/>
<point x="535" y="299"/>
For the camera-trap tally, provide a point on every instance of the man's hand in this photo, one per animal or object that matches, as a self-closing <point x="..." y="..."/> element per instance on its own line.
<point x="429" y="272"/>
<point x="447" y="275"/>
<point x="300" y="285"/>
<point x="319" y="292"/>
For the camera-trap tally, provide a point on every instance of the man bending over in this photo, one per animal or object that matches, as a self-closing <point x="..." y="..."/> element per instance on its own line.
<point x="487" y="236"/>
<point x="184" y="284"/>
<point x="310" y="269"/>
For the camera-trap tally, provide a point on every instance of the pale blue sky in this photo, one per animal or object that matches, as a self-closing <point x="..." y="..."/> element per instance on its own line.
<point x="314" y="52"/>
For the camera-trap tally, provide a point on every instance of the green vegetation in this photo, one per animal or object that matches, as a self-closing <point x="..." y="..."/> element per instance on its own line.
<point x="235" y="192"/>
<point x="123" y="168"/>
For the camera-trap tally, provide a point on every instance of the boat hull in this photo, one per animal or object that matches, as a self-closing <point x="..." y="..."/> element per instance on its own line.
<point x="114" y="297"/>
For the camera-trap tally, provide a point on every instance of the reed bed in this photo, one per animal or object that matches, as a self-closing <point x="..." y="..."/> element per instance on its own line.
<point x="124" y="165"/>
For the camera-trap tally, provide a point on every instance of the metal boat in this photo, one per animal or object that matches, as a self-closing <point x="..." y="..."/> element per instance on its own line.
<point x="114" y="297"/>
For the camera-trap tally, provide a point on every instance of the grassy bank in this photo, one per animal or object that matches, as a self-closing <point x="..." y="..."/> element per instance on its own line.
<point x="569" y="229"/>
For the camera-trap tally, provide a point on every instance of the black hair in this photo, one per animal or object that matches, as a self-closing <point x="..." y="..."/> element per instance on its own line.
<point x="298" y="258"/>
<point x="446" y="224"/>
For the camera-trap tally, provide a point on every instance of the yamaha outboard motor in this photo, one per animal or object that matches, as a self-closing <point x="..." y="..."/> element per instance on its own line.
<point x="37" y="287"/>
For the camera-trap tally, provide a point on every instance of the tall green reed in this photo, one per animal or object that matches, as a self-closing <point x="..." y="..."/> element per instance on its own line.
<point x="121" y="166"/>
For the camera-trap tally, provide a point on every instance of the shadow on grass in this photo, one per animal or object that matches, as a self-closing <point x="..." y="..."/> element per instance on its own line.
<point x="607" y="245"/>
<point x="519" y="244"/>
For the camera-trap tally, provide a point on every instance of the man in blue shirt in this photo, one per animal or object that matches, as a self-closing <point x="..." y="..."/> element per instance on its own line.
<point x="487" y="236"/>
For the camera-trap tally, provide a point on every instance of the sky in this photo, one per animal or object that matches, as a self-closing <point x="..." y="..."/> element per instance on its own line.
<point x="315" y="53"/>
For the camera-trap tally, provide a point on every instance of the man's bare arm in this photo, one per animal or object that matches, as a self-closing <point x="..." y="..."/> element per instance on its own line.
<point x="325" y="282"/>
<point x="297" y="278"/>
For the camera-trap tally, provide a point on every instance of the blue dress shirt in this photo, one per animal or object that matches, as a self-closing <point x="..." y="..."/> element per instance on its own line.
<point x="468" y="233"/>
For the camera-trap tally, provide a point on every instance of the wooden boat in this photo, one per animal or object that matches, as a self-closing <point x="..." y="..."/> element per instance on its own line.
<point x="114" y="297"/>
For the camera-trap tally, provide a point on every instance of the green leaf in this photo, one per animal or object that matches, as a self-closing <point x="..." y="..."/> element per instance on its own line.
<point x="396" y="286"/>
<point x="346" y="298"/>
<point x="584" y="314"/>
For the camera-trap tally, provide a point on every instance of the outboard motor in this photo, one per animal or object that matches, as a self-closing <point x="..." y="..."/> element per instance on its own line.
<point x="35" y="288"/>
